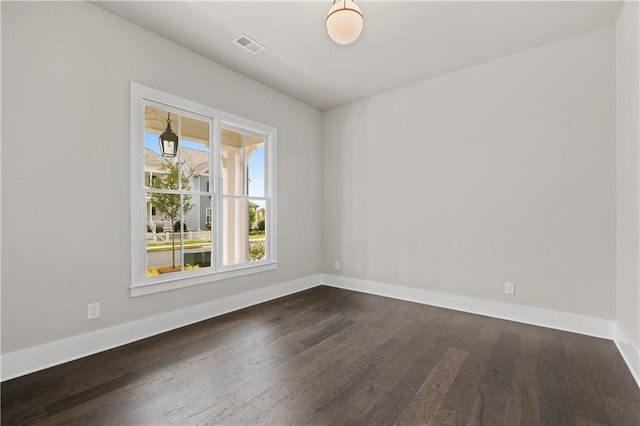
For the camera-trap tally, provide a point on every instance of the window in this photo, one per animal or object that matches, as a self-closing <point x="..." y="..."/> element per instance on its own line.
<point x="207" y="217"/>
<point x="212" y="206"/>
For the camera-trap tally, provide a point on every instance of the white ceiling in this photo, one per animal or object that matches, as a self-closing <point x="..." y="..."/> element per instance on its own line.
<point x="402" y="42"/>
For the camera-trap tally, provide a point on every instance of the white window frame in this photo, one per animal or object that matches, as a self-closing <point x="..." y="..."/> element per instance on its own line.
<point x="140" y="283"/>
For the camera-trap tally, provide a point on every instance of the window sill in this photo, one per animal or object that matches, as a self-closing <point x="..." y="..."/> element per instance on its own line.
<point x="182" y="282"/>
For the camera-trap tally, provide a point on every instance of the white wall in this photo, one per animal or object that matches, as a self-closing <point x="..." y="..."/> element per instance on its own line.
<point x="501" y="172"/>
<point x="66" y="69"/>
<point x="628" y="223"/>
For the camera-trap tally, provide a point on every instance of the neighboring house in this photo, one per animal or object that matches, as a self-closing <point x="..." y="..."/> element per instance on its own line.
<point x="195" y="163"/>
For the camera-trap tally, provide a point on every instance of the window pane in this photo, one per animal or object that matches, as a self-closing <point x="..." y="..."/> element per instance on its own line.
<point x="197" y="236"/>
<point x="165" y="214"/>
<point x="155" y="122"/>
<point x="194" y="153"/>
<point x="163" y="252"/>
<point x="257" y="234"/>
<point x="254" y="153"/>
<point x="234" y="231"/>
<point x="232" y="165"/>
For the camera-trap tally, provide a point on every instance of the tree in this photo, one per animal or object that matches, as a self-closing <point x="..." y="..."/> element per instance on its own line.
<point x="168" y="205"/>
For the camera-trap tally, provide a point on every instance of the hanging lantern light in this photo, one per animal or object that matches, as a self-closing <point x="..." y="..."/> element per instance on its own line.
<point x="168" y="141"/>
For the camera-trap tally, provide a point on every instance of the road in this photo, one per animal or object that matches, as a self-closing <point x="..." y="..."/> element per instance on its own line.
<point x="163" y="258"/>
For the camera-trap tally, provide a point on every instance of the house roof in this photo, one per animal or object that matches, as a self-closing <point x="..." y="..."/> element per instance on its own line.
<point x="196" y="161"/>
<point x="150" y="157"/>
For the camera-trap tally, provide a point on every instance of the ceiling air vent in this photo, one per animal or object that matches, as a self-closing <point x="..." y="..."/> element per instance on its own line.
<point x="249" y="44"/>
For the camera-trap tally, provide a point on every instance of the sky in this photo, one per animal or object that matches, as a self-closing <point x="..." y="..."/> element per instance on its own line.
<point x="256" y="161"/>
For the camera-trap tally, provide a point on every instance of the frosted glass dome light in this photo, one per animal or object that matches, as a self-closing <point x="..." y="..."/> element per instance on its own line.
<point x="344" y="21"/>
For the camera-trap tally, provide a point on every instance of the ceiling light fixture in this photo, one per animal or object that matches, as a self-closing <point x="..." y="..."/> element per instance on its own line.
<point x="344" y="21"/>
<point x="168" y="141"/>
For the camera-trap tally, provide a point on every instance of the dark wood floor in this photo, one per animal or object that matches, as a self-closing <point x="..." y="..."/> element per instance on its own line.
<point x="330" y="356"/>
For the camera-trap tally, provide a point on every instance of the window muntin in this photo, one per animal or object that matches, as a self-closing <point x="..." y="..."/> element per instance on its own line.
<point x="219" y="184"/>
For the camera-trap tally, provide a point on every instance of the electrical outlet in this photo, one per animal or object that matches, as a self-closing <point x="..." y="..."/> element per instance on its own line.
<point x="509" y="288"/>
<point x="93" y="310"/>
<point x="337" y="264"/>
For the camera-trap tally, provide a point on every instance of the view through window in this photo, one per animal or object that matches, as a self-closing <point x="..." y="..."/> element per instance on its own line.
<point x="208" y="209"/>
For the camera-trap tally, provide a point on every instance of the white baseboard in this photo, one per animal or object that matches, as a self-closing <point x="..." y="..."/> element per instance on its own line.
<point x="628" y="350"/>
<point x="520" y="313"/>
<point x="19" y="363"/>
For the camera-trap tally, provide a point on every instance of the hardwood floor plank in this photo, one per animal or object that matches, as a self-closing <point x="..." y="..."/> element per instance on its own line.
<point x="87" y="395"/>
<point x="325" y="333"/>
<point x="240" y="368"/>
<point x="425" y="405"/>
<point x="464" y="398"/>
<point x="523" y="400"/>
<point x="580" y="421"/>
<point x="497" y="380"/>
<point x="587" y="402"/>
<point x="463" y="329"/>
<point x="530" y="339"/>
<point x="611" y="373"/>
<point x="354" y="400"/>
<point x="555" y="407"/>
<point x="491" y="329"/>
<point x="396" y="386"/>
<point x="27" y="415"/>
<point x="622" y="411"/>
<point x="329" y="379"/>
<point x="24" y="398"/>
<point x="338" y="348"/>
<point x="221" y="376"/>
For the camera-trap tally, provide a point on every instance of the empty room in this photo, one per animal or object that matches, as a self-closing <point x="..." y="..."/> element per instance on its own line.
<point x="320" y="212"/>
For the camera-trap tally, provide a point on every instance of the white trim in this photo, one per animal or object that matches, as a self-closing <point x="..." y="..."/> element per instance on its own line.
<point x="215" y="186"/>
<point x="565" y="321"/>
<point x="19" y="363"/>
<point x="138" y="216"/>
<point x="271" y="242"/>
<point x="628" y="350"/>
